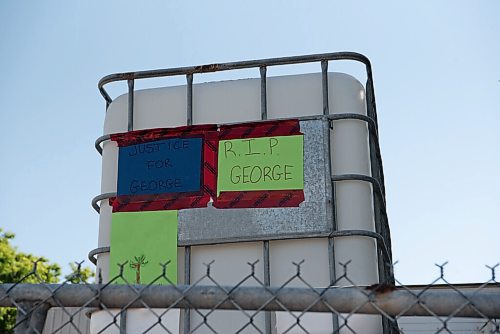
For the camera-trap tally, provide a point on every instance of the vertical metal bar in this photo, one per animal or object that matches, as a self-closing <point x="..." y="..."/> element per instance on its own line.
<point x="376" y="168"/>
<point x="267" y="269"/>
<point x="32" y="318"/>
<point x="329" y="128"/>
<point x="333" y="279"/>
<point x="375" y="173"/>
<point x="324" y="85"/>
<point x="187" y="249"/>
<point x="189" y="88"/>
<point x="267" y="282"/>
<point x="22" y="318"/>
<point x="37" y="321"/>
<point x="331" y="245"/>
<point x="372" y="113"/>
<point x="263" y="93"/>
<point x="123" y="322"/>
<point x="130" y="123"/>
<point x="187" y="281"/>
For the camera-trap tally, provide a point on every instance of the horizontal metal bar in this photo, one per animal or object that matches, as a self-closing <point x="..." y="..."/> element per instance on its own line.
<point x="378" y="191"/>
<point x="334" y="117"/>
<point x="99" y="198"/>
<point x="230" y="66"/>
<point x="361" y="177"/>
<point x="365" y="178"/>
<point x="391" y="300"/>
<point x="335" y="234"/>
<point x="353" y="116"/>
<point x="96" y="251"/>
<point x="99" y="141"/>
<point x="369" y="234"/>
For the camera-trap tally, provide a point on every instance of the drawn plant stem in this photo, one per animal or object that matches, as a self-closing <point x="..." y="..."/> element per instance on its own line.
<point x="140" y="261"/>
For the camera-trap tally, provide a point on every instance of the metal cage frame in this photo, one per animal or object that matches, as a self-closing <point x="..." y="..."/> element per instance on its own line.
<point x="382" y="231"/>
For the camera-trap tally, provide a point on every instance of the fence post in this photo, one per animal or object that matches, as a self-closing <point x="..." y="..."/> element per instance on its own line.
<point x="31" y="317"/>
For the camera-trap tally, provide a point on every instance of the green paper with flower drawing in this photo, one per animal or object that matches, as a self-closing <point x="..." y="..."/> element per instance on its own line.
<point x="143" y="241"/>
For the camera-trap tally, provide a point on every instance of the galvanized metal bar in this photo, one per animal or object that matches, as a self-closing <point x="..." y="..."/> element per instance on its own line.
<point x="372" y="113"/>
<point x="363" y="233"/>
<point x="335" y="178"/>
<point x="334" y="117"/>
<point x="375" y="165"/>
<point x="22" y="324"/>
<point x="324" y="86"/>
<point x="123" y="322"/>
<point x="384" y="255"/>
<point x="265" y="244"/>
<point x="99" y="141"/>
<point x="230" y="66"/>
<point x="23" y="318"/>
<point x="105" y="95"/>
<point x="331" y="248"/>
<point x="328" y="126"/>
<point x="189" y="102"/>
<point x="360" y="177"/>
<point x="31" y="317"/>
<point x="370" y="97"/>
<point x="377" y="212"/>
<point x="96" y="251"/>
<point x="267" y="282"/>
<point x="381" y="220"/>
<point x="334" y="234"/>
<point x="377" y="191"/>
<point x="394" y="301"/>
<point x="187" y="281"/>
<point x="351" y="116"/>
<point x="130" y="123"/>
<point x="99" y="198"/>
<point x="333" y="278"/>
<point x="187" y="248"/>
<point x="263" y="93"/>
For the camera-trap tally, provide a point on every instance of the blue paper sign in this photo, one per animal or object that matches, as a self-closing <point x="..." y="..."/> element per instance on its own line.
<point x="160" y="167"/>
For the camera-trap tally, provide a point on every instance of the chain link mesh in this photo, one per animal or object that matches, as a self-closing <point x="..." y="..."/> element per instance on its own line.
<point x="250" y="306"/>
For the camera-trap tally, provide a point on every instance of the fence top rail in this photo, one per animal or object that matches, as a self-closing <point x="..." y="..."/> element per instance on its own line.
<point x="190" y="70"/>
<point x="392" y="301"/>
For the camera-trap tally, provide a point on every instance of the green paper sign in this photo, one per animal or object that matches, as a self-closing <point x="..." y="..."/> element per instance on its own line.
<point x="144" y="239"/>
<point x="268" y="163"/>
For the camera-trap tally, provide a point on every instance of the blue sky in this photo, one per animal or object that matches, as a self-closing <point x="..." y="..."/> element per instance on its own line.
<point x="436" y="70"/>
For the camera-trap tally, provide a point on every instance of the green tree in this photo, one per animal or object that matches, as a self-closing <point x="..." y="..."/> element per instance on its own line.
<point x="19" y="267"/>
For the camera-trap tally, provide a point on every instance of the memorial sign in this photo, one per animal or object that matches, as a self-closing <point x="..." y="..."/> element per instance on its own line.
<point x="166" y="168"/>
<point x="160" y="167"/>
<point x="267" y="163"/>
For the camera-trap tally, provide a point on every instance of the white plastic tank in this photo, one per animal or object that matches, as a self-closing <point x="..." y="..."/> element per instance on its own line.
<point x="239" y="101"/>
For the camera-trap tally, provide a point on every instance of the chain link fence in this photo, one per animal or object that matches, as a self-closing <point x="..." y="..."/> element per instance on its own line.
<point x="249" y="306"/>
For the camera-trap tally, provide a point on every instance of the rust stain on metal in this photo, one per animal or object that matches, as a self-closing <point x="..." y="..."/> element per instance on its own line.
<point x="381" y="287"/>
<point x="208" y="68"/>
<point x="127" y="76"/>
